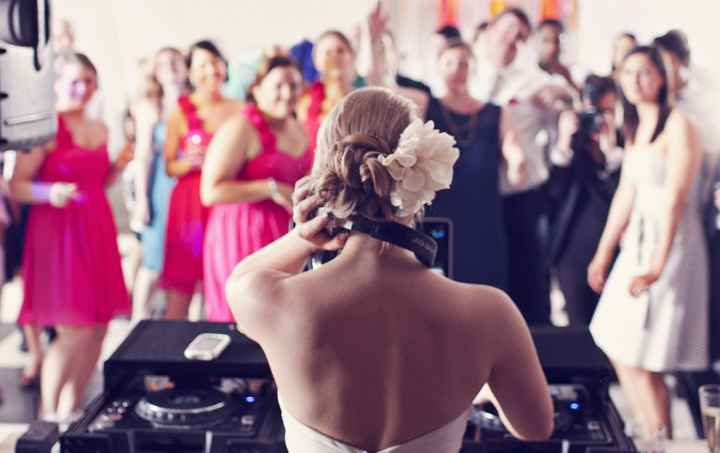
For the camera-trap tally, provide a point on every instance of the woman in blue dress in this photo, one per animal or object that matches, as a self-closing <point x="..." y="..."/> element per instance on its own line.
<point x="153" y="185"/>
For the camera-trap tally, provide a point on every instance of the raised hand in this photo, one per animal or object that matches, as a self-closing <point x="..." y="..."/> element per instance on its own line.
<point x="311" y="225"/>
<point x="377" y="22"/>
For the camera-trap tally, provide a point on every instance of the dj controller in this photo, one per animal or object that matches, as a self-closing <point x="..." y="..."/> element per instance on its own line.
<point x="155" y="400"/>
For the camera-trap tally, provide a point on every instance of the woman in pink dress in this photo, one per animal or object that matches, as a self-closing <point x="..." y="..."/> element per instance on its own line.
<point x="71" y="265"/>
<point x="189" y="130"/>
<point x="252" y="165"/>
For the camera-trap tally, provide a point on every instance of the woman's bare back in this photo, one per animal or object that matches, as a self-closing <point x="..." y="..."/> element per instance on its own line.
<point x="376" y="351"/>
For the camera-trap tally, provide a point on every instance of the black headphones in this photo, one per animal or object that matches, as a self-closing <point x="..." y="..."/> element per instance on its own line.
<point x="423" y="246"/>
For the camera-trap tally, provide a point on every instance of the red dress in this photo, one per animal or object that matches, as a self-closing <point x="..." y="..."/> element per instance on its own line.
<point x="187" y="217"/>
<point x="239" y="229"/>
<point x="314" y="115"/>
<point x="71" y="265"/>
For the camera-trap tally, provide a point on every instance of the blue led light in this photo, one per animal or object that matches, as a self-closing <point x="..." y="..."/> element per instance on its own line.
<point x="250" y="399"/>
<point x="437" y="234"/>
<point x="575" y="406"/>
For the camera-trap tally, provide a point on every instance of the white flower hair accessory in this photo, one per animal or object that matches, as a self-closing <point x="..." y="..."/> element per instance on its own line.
<point x="421" y="165"/>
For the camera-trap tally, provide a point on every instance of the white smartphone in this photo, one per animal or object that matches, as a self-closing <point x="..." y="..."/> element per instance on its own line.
<point x="207" y="346"/>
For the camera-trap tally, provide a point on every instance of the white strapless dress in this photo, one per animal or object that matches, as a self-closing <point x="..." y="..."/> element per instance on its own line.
<point x="300" y="438"/>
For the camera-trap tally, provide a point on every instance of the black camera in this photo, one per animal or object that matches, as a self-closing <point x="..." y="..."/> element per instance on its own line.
<point x="591" y="122"/>
<point x="27" y="100"/>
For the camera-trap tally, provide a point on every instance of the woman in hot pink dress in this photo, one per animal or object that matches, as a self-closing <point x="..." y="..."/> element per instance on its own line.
<point x="189" y="130"/>
<point x="71" y="265"/>
<point x="252" y="165"/>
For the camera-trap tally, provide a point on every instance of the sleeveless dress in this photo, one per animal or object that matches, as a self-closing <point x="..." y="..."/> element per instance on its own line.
<point x="161" y="185"/>
<point x="473" y="202"/>
<point x="71" y="264"/>
<point x="300" y="438"/>
<point x="664" y="328"/>
<point x="187" y="217"/>
<point x="314" y="117"/>
<point x="237" y="230"/>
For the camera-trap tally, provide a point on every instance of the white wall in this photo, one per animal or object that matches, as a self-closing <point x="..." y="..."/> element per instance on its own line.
<point x="600" y="21"/>
<point x="116" y="33"/>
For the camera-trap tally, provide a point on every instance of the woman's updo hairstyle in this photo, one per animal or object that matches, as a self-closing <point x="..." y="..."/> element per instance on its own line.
<point x="365" y="125"/>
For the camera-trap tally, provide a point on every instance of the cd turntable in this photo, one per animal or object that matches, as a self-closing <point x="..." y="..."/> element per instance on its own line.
<point x="156" y="400"/>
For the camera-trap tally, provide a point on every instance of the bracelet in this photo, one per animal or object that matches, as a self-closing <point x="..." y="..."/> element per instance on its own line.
<point x="40" y="191"/>
<point x="273" y="187"/>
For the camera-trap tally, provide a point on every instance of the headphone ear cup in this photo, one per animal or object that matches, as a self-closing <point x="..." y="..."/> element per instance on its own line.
<point x="21" y="22"/>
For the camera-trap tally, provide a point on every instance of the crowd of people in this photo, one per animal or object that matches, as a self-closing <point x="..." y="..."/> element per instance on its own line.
<point x="602" y="185"/>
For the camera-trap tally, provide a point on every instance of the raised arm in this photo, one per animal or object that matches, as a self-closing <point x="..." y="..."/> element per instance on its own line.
<point x="617" y="220"/>
<point x="516" y="384"/>
<point x="225" y="157"/>
<point x="683" y="163"/>
<point x="514" y="160"/>
<point x="256" y="277"/>
<point x="375" y="26"/>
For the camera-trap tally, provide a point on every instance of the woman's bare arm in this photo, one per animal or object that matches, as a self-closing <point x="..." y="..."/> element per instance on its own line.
<point x="147" y="115"/>
<point x="225" y="157"/>
<point x="615" y="225"/>
<point x="517" y="385"/>
<point x="174" y="166"/>
<point x="22" y="185"/>
<point x="682" y="163"/>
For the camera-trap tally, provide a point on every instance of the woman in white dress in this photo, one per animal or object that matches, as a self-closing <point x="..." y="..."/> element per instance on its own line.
<point x="651" y="317"/>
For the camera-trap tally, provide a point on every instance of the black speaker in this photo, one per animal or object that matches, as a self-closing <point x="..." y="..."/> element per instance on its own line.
<point x="39" y="438"/>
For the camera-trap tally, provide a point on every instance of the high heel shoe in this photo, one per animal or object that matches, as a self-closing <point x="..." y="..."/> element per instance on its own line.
<point x="29" y="382"/>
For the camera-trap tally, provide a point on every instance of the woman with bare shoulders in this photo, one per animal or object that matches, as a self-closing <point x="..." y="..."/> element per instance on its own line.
<point x="71" y="266"/>
<point x="190" y="128"/>
<point x="335" y="57"/>
<point x="152" y="183"/>
<point x="488" y="146"/>
<point x="371" y="339"/>
<point x="253" y="162"/>
<point x="652" y="314"/>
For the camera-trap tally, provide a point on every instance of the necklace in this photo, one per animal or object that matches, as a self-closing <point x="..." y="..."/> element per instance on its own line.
<point x="463" y="131"/>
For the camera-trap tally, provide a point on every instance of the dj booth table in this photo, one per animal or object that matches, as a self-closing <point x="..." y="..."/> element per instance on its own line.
<point x="151" y="398"/>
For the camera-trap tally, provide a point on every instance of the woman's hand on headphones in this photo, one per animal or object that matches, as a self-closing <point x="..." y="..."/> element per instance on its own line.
<point x="310" y="225"/>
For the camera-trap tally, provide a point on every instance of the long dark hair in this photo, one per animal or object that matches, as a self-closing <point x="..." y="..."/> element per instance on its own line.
<point x="207" y="46"/>
<point x="630" y="114"/>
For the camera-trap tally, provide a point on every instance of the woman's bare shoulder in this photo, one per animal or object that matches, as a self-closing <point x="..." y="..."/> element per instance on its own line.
<point x="678" y="119"/>
<point x="253" y="298"/>
<point x="472" y="300"/>
<point x="679" y="129"/>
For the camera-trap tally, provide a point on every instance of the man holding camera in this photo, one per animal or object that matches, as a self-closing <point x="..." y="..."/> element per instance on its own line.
<point x="584" y="175"/>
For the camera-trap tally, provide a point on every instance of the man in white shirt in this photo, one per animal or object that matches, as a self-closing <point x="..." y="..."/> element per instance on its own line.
<point x="509" y="77"/>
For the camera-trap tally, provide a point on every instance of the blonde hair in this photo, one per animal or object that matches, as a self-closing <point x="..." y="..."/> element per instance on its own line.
<point x="365" y="125"/>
